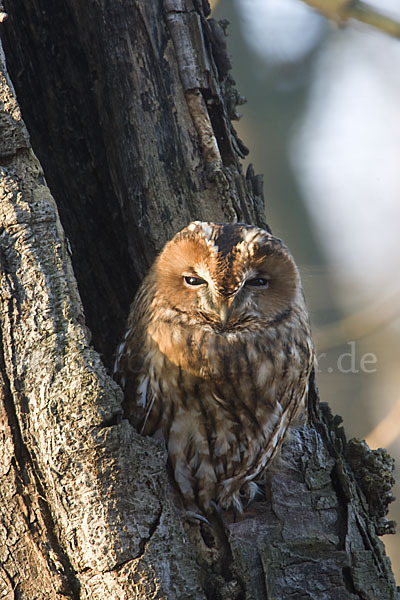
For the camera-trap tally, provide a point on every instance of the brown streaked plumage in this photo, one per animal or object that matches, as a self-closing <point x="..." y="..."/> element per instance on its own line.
<point x="217" y="356"/>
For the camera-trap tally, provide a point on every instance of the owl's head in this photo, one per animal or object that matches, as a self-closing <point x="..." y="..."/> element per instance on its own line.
<point x="227" y="274"/>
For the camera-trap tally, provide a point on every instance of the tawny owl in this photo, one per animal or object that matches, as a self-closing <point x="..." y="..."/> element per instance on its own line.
<point x="217" y="356"/>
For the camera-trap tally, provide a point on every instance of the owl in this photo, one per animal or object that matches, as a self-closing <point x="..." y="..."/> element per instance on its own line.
<point x="216" y="358"/>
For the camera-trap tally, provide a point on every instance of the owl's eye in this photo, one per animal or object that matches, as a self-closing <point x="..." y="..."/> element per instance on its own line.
<point x="258" y="282"/>
<point x="190" y="280"/>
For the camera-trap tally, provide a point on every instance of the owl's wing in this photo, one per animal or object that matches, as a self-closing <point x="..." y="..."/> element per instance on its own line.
<point x="145" y="403"/>
<point x="129" y="363"/>
<point x="292" y="406"/>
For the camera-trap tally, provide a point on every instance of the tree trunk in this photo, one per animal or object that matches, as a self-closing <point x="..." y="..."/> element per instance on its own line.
<point x="129" y="109"/>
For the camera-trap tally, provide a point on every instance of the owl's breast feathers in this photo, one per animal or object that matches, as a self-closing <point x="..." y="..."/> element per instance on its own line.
<point x="222" y="401"/>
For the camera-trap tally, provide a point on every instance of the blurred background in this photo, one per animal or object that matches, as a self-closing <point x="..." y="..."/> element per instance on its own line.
<point x="322" y="122"/>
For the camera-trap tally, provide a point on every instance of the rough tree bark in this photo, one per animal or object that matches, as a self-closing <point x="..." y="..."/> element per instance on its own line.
<point x="129" y="108"/>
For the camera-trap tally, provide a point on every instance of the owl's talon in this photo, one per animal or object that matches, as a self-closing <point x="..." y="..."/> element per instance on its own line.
<point x="190" y="515"/>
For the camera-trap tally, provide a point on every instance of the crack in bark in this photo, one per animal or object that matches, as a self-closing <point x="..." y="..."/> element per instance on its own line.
<point x="10" y="580"/>
<point x="113" y="420"/>
<point x="144" y="542"/>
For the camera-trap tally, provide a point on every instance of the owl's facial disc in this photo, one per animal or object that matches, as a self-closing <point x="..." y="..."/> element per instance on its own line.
<point x="224" y="276"/>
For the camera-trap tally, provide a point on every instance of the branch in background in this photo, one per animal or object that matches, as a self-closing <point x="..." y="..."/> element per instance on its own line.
<point x="342" y="11"/>
<point x="359" y="325"/>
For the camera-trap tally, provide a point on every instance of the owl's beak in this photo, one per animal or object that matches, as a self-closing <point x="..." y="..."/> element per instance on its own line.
<point x="222" y="305"/>
<point x="224" y="314"/>
<point x="225" y="309"/>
